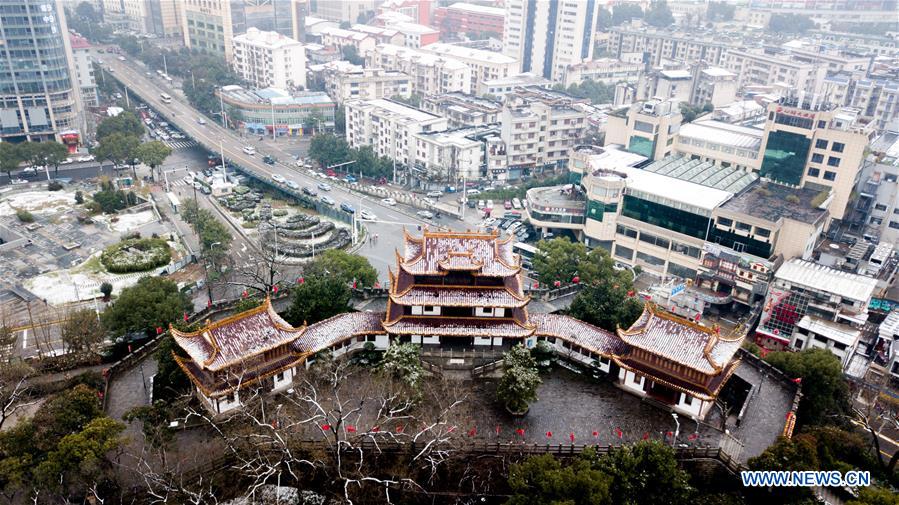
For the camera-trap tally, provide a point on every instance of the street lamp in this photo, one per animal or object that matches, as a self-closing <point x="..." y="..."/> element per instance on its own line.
<point x="676" y="430"/>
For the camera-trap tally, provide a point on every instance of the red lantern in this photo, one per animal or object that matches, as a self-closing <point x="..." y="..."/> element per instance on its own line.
<point x="520" y="432"/>
<point x="244" y="294"/>
<point x="351" y="429"/>
<point x="497" y="430"/>
<point x="694" y="436"/>
<point x="571" y="436"/>
<point x="536" y="285"/>
<point x="619" y="432"/>
<point x="399" y="429"/>
<point x="798" y="380"/>
<point x="375" y="429"/>
<point x="301" y="280"/>
<point x="472" y="432"/>
<point x="185" y="317"/>
<point x="646" y="436"/>
<point x="208" y="303"/>
<point x="576" y="279"/>
<point x="159" y="330"/>
<point x="326" y="427"/>
<point x="630" y="293"/>
<point x="557" y="283"/>
<point x="275" y="289"/>
<point x="595" y="434"/>
<point x="549" y="434"/>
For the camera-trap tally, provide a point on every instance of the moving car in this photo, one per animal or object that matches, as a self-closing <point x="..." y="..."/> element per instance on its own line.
<point x="201" y="120"/>
<point x="293" y="185"/>
<point x="268" y="160"/>
<point x="279" y="178"/>
<point x="327" y="200"/>
<point x="309" y="191"/>
<point x="368" y="215"/>
<point x="426" y="214"/>
<point x="434" y="194"/>
<point x="250" y="150"/>
<point x="388" y="201"/>
<point x="324" y="186"/>
<point x="350" y="178"/>
<point x="347" y="208"/>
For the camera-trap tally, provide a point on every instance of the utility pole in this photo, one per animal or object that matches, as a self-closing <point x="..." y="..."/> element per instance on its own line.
<point x="127" y="100"/>
<point x="224" y="165"/>
<point x="222" y="105"/>
<point x="164" y="65"/>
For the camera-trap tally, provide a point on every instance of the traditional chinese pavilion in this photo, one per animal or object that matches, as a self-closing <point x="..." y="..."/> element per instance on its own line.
<point x="464" y="290"/>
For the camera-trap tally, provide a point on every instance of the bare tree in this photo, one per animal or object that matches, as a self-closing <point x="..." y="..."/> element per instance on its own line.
<point x="14" y="389"/>
<point x="874" y="411"/>
<point x="268" y="269"/>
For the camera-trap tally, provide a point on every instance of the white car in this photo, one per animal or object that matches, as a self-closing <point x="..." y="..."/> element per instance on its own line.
<point x="293" y="185"/>
<point x="250" y="150"/>
<point x="30" y="170"/>
<point x="324" y="186"/>
<point x="327" y="200"/>
<point x="474" y="191"/>
<point x="279" y="178"/>
<point x="489" y="221"/>
<point x="89" y="157"/>
<point x="67" y="161"/>
<point x="388" y="201"/>
<point x="425" y="214"/>
<point x="19" y="181"/>
<point x="434" y="194"/>
<point x="368" y="215"/>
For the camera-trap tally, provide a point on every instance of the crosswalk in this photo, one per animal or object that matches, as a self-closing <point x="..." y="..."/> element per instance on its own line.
<point x="180" y="144"/>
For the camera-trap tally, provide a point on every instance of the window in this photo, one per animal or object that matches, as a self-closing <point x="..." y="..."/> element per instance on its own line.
<point x="743" y="226"/>
<point x="762" y="232"/>
<point x="723" y="221"/>
<point x="881" y="206"/>
<point x="833" y="161"/>
<point x="636" y="379"/>
<point x="838" y="147"/>
<point x="279" y="377"/>
<point x="627" y="232"/>
<point x="894" y="225"/>
<point x="817" y="158"/>
<point x="624" y="252"/>
<point x="652" y="260"/>
<point x="785" y="156"/>
<point x="830" y="176"/>
<point x="688" y="400"/>
<point x="814" y="172"/>
<point x="822" y="124"/>
<point x="820" y="144"/>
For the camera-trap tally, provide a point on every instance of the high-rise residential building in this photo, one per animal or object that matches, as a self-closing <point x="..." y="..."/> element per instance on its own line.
<point x="84" y="70"/>
<point x="763" y="69"/>
<point x="344" y="81"/>
<point x="646" y="128"/>
<point x="547" y="36"/>
<point x="659" y="45"/>
<point x="388" y="127"/>
<point x="163" y="18"/>
<point x="211" y="25"/>
<point x="269" y="59"/>
<point x="430" y="73"/>
<point x="39" y="97"/>
<point x="484" y="65"/>
<point x="463" y="110"/>
<point x="466" y="18"/>
<point x="299" y="9"/>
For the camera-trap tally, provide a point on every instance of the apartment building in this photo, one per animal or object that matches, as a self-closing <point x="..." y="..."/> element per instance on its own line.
<point x="388" y="127"/>
<point x="814" y="306"/>
<point x="661" y="45"/>
<point x="337" y="37"/>
<point x="467" y="18"/>
<point x="764" y="69"/>
<point x="448" y="156"/>
<point x="414" y="34"/>
<point x="84" y="70"/>
<point x="429" y="73"/>
<point x="484" y="65"/>
<point x="463" y="110"/>
<point x="604" y="70"/>
<point x="539" y="127"/>
<point x="875" y="210"/>
<point x="269" y="59"/>
<point x="418" y="11"/>
<point x="876" y="99"/>
<point x="547" y="37"/>
<point x="815" y="145"/>
<point x="344" y="81"/>
<point x="645" y="128"/>
<point x="343" y="10"/>
<point x="713" y="85"/>
<point x="501" y="87"/>
<point x="381" y="34"/>
<point x="163" y="18"/>
<point x="888" y="335"/>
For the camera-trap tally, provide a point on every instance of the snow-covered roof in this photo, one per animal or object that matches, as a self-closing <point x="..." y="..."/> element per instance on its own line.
<point x="460" y="296"/>
<point x="722" y="133"/>
<point x="677" y="190"/>
<point x="477" y="9"/>
<point x="420" y="57"/>
<point x="437" y="252"/>
<point x="837" y="332"/>
<point x="827" y="280"/>
<point x="469" y="53"/>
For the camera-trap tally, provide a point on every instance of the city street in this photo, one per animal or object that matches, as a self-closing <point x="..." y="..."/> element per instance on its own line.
<point x="391" y="220"/>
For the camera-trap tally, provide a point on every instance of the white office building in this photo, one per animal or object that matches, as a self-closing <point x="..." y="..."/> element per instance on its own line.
<point x="344" y="81"/>
<point x="484" y="65"/>
<point x="547" y="37"/>
<point x="269" y="59"/>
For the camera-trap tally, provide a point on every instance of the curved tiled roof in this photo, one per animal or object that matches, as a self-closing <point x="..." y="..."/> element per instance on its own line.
<point x="460" y="296"/>
<point x="577" y="332"/>
<point x="437" y="252"/>
<point x="457" y="327"/>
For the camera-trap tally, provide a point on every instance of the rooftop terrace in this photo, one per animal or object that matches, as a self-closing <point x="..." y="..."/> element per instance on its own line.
<point x="769" y="202"/>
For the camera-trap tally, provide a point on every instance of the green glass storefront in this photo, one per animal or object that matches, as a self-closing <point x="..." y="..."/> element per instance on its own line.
<point x="596" y="209"/>
<point x="680" y="221"/>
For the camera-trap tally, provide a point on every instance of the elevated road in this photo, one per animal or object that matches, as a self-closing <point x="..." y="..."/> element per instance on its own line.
<point x="215" y="138"/>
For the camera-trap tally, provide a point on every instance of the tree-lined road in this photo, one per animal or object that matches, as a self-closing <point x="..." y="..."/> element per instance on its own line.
<point x="215" y="138"/>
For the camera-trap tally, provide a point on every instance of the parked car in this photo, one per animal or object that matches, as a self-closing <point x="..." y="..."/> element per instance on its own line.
<point x="388" y="201"/>
<point x="490" y="204"/>
<point x="473" y="191"/>
<point x="426" y="214"/>
<point x="350" y="178"/>
<point x="368" y="215"/>
<point x="324" y="186"/>
<point x="450" y="189"/>
<point x="89" y="157"/>
<point x="19" y="181"/>
<point x="327" y="200"/>
<point x="472" y="204"/>
<point x="489" y="221"/>
<point x="434" y="194"/>
<point x="347" y="208"/>
<point x="279" y="178"/>
<point x="481" y="204"/>
<point x="309" y="191"/>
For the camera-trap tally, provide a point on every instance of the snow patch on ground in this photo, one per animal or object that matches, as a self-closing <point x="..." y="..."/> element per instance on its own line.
<point x="128" y="222"/>
<point x="38" y="202"/>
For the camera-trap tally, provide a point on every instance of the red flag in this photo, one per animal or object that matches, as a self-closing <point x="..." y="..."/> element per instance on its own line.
<point x="520" y="432"/>
<point x="497" y="429"/>
<point x="399" y="429"/>
<point x="159" y="330"/>
<point x="375" y="429"/>
<point x="536" y="285"/>
<point x="549" y="434"/>
<point x="693" y="436"/>
<point x="185" y="317"/>
<point x="351" y="429"/>
<point x="557" y="283"/>
<point x="326" y="427"/>
<point x="129" y="347"/>
<point x="698" y="317"/>
<point x="669" y="434"/>
<point x="571" y="436"/>
<point x="472" y="432"/>
<point x="630" y="293"/>
<point x="354" y="283"/>
<point x="244" y="294"/>
<point x="275" y="289"/>
<point x="619" y="432"/>
<point x="301" y="280"/>
<point x="646" y="436"/>
<point x="209" y="303"/>
<point x="798" y="380"/>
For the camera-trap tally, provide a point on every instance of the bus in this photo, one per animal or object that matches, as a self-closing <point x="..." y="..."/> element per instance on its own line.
<point x="526" y="252"/>
<point x="165" y="98"/>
